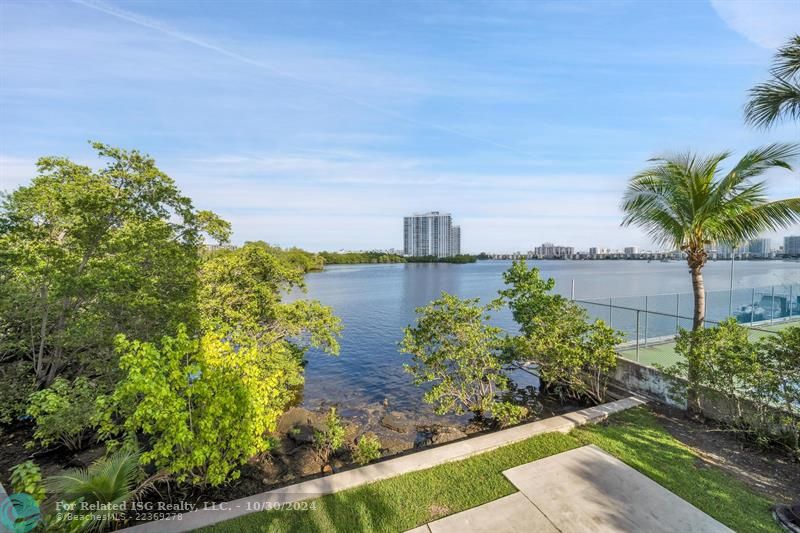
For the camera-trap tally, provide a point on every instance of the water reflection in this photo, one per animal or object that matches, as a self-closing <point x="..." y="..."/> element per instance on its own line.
<point x="376" y="302"/>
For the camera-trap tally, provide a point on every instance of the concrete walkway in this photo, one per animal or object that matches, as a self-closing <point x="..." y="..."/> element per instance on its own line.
<point x="412" y="462"/>
<point x="581" y="490"/>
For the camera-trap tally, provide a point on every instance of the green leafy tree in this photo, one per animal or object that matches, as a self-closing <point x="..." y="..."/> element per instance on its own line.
<point x="454" y="349"/>
<point x="204" y="406"/>
<point x="779" y="97"/>
<point x="85" y="254"/>
<point x="241" y="297"/>
<point x="687" y="202"/>
<point x="64" y="413"/>
<point x="572" y="355"/>
<point x="17" y="383"/>
<point x="96" y="496"/>
<point x="207" y="405"/>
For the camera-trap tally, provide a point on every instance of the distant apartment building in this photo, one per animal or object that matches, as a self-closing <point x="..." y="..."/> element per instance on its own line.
<point x="791" y="246"/>
<point x="760" y="248"/>
<point x="455" y="240"/>
<point x="725" y="252"/>
<point x="597" y="251"/>
<point x="429" y="234"/>
<point x="630" y="251"/>
<point x="549" y="250"/>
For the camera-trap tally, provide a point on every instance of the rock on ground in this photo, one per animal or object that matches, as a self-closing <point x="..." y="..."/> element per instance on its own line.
<point x="396" y="422"/>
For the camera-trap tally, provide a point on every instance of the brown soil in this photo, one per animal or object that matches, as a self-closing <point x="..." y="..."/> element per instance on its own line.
<point x="769" y="472"/>
<point x="14" y="452"/>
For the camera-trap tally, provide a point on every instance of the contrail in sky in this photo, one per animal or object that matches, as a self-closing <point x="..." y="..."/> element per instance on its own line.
<point x="156" y="25"/>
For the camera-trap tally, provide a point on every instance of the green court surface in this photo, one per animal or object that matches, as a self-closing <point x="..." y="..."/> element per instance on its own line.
<point x="663" y="353"/>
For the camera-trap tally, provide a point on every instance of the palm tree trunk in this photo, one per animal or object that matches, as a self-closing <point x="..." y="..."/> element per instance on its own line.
<point x="698" y="321"/>
<point x="698" y="287"/>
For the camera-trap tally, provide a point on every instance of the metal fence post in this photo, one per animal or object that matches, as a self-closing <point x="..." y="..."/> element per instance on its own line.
<point x="753" y="306"/>
<point x="772" y="305"/>
<point x="637" y="335"/>
<point x="791" y="290"/>
<point x="730" y="295"/>
<point x="610" y="313"/>
<point x="573" y="289"/>
<point x="645" y="320"/>
<point x="677" y="312"/>
<point x="705" y="309"/>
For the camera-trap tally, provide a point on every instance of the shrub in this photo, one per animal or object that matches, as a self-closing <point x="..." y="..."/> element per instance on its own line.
<point x="723" y="357"/>
<point x="104" y="488"/>
<point x="454" y="348"/>
<point x="508" y="414"/>
<point x="27" y="477"/>
<point x="754" y="384"/>
<point x="17" y="383"/>
<point x="368" y="448"/>
<point x="64" y="413"/>
<point x="331" y="438"/>
<point x="204" y="406"/>
<point x="779" y="360"/>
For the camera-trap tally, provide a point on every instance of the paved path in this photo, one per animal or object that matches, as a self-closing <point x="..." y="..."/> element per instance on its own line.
<point x="577" y="491"/>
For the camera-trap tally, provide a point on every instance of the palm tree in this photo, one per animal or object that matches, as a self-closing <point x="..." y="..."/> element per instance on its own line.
<point x="106" y="486"/>
<point x="779" y="97"/>
<point x="686" y="202"/>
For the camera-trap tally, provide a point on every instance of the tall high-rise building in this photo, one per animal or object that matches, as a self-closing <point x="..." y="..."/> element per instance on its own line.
<point x="759" y="247"/>
<point x="791" y="246"/>
<point x="455" y="240"/>
<point x="431" y="234"/>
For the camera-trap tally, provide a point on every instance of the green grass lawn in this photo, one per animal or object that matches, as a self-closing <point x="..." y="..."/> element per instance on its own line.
<point x="407" y="501"/>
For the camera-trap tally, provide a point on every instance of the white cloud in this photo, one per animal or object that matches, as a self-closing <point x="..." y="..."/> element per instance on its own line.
<point x="15" y="171"/>
<point x="767" y="23"/>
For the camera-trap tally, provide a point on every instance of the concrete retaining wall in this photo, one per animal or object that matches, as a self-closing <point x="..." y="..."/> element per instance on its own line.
<point x="643" y="380"/>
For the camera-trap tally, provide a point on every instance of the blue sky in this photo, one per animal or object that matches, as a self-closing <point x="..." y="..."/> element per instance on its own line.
<point x="320" y="124"/>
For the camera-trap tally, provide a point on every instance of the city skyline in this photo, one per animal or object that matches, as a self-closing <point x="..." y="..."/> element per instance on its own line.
<point x="756" y="248"/>
<point x="320" y="124"/>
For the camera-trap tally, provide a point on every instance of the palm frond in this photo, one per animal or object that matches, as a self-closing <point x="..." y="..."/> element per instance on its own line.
<point x="770" y="216"/>
<point x="787" y="59"/>
<point x="682" y="200"/>
<point x="110" y="481"/>
<point x="756" y="161"/>
<point x="771" y="101"/>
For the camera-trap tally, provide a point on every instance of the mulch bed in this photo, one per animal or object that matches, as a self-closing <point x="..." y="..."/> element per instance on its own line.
<point x="770" y="472"/>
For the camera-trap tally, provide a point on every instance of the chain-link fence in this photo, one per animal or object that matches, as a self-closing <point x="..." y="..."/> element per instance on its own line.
<point x="650" y="323"/>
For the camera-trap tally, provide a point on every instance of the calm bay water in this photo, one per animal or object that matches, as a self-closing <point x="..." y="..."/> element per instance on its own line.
<point x="375" y="303"/>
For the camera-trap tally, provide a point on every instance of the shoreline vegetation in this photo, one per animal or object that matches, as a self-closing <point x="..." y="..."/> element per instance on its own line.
<point x="637" y="437"/>
<point x="179" y="363"/>
<point x="307" y="261"/>
<point x="378" y="257"/>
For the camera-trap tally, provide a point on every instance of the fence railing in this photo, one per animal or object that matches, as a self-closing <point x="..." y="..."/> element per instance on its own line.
<point x="647" y="321"/>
